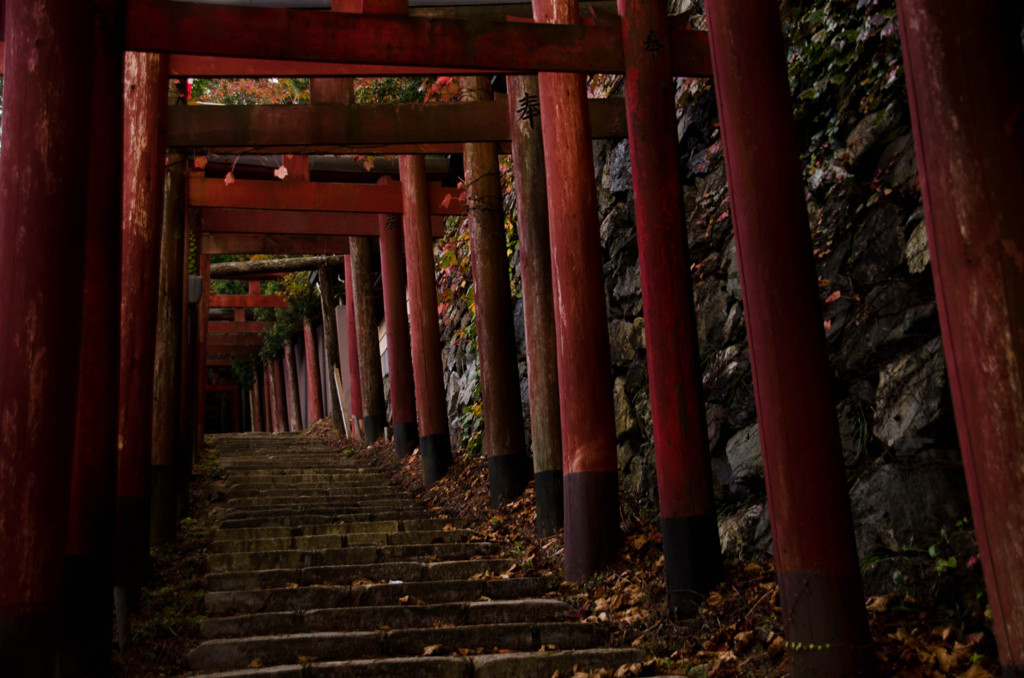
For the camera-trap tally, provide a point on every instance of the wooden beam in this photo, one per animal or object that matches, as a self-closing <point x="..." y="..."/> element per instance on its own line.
<point x="231" y="342"/>
<point x="219" y="362"/>
<point x="322" y="127"/>
<point x="305" y="35"/>
<point x="316" y="196"/>
<point x="252" y="269"/>
<point x="229" y="327"/>
<point x="288" y="222"/>
<point x="200" y="66"/>
<point x="212" y="243"/>
<point x="247" y="301"/>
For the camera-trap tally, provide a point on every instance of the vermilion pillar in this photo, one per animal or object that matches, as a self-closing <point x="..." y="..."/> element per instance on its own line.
<point x="166" y="375"/>
<point x="964" y="76"/>
<point x="203" y="328"/>
<point x="88" y="569"/>
<point x="589" y="461"/>
<point x="280" y="396"/>
<point x="538" y="312"/>
<point x="396" y="320"/>
<point x="693" y="558"/>
<point x="257" y="400"/>
<point x="313" y="397"/>
<point x="819" y="580"/>
<point x="291" y="379"/>
<point x="355" y="383"/>
<point x="371" y="379"/>
<point x="48" y="74"/>
<point x="145" y="96"/>
<point x="435" y="441"/>
<point x="268" y="397"/>
<point x="504" y="440"/>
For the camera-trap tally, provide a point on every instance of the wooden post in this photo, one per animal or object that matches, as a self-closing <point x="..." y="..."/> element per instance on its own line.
<point x="327" y="306"/>
<point x="819" y="580"/>
<point x="425" y="335"/>
<point x="316" y="405"/>
<point x="964" y="73"/>
<point x="49" y="65"/>
<point x="538" y="312"/>
<point x="166" y="377"/>
<point x="203" y="330"/>
<point x="280" y="397"/>
<point x="370" y="378"/>
<point x="504" y="439"/>
<point x="693" y="555"/>
<point x="144" y="162"/>
<point x="589" y="460"/>
<point x="257" y="401"/>
<point x="291" y="378"/>
<point x="355" y="382"/>
<point x="396" y="320"/>
<point x="268" y="397"/>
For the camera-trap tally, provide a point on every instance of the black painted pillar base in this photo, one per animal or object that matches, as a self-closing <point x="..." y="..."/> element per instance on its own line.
<point x="592" y="533"/>
<point x="373" y="428"/>
<point x="406" y="437"/>
<point x="693" y="562"/>
<point x="28" y="643"/>
<point x="507" y="476"/>
<point x="550" y="509"/>
<point x="85" y="617"/>
<point x="436" y="451"/>
<point x="163" y="525"/>
<point x="131" y="554"/>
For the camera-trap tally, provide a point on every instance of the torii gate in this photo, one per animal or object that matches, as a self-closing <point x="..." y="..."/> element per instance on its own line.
<point x="964" y="71"/>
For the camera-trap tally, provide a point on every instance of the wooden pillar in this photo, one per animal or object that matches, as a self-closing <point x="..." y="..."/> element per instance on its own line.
<point x="316" y="405"/>
<point x="202" y="329"/>
<point x="291" y="379"/>
<point x="85" y="618"/>
<point x="396" y="320"/>
<point x="504" y="439"/>
<point x="268" y="397"/>
<point x="964" y="77"/>
<point x="355" y="382"/>
<point x="819" y="580"/>
<point x="371" y="379"/>
<point x="144" y="161"/>
<point x="425" y="335"/>
<point x="538" y="311"/>
<point x="693" y="555"/>
<point x="166" y="376"/>
<point x="590" y="477"/>
<point x="257" y="400"/>
<point x="280" y="402"/>
<point x="327" y="306"/>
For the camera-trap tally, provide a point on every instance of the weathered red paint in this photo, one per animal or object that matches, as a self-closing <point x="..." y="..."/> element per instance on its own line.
<point x="355" y="387"/>
<point x="284" y="222"/>
<point x="246" y="300"/>
<point x="318" y="196"/>
<point x="503" y="437"/>
<point x="964" y="73"/>
<point x="693" y="562"/>
<point x="219" y="343"/>
<point x="538" y="311"/>
<point x="236" y="327"/>
<point x="821" y="594"/>
<point x="144" y="159"/>
<point x="308" y="129"/>
<point x="303" y="35"/>
<point x="280" y="402"/>
<point x="291" y="382"/>
<point x="581" y="326"/>
<point x="396" y="319"/>
<point x="49" y="62"/>
<point x="371" y="380"/>
<point x="313" y="394"/>
<point x="424" y="331"/>
<point x="240" y="243"/>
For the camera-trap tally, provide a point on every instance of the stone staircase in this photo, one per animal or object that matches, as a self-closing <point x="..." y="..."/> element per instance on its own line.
<point x="321" y="569"/>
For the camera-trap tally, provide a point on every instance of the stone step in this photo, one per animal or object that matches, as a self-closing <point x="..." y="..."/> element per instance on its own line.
<point x="300" y="502"/>
<point x="236" y="493"/>
<point x="326" y="541"/>
<point x="317" y="505"/>
<point x="391" y="526"/>
<point x="509" y="665"/>
<point x="352" y="555"/>
<point x="373" y="595"/>
<point x="391" y="616"/>
<point x="237" y="653"/>
<point x="347" y="574"/>
<point x="314" y="518"/>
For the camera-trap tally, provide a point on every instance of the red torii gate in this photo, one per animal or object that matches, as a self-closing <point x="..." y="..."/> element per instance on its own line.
<point x="980" y="308"/>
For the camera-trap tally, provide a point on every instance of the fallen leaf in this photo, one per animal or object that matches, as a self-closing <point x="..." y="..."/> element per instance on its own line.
<point x="229" y="179"/>
<point x="200" y="162"/>
<point x="430" y="650"/>
<point x="281" y="172"/>
<point x="255" y="663"/>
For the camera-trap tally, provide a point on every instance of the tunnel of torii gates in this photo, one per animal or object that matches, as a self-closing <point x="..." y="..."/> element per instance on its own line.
<point x="86" y="477"/>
